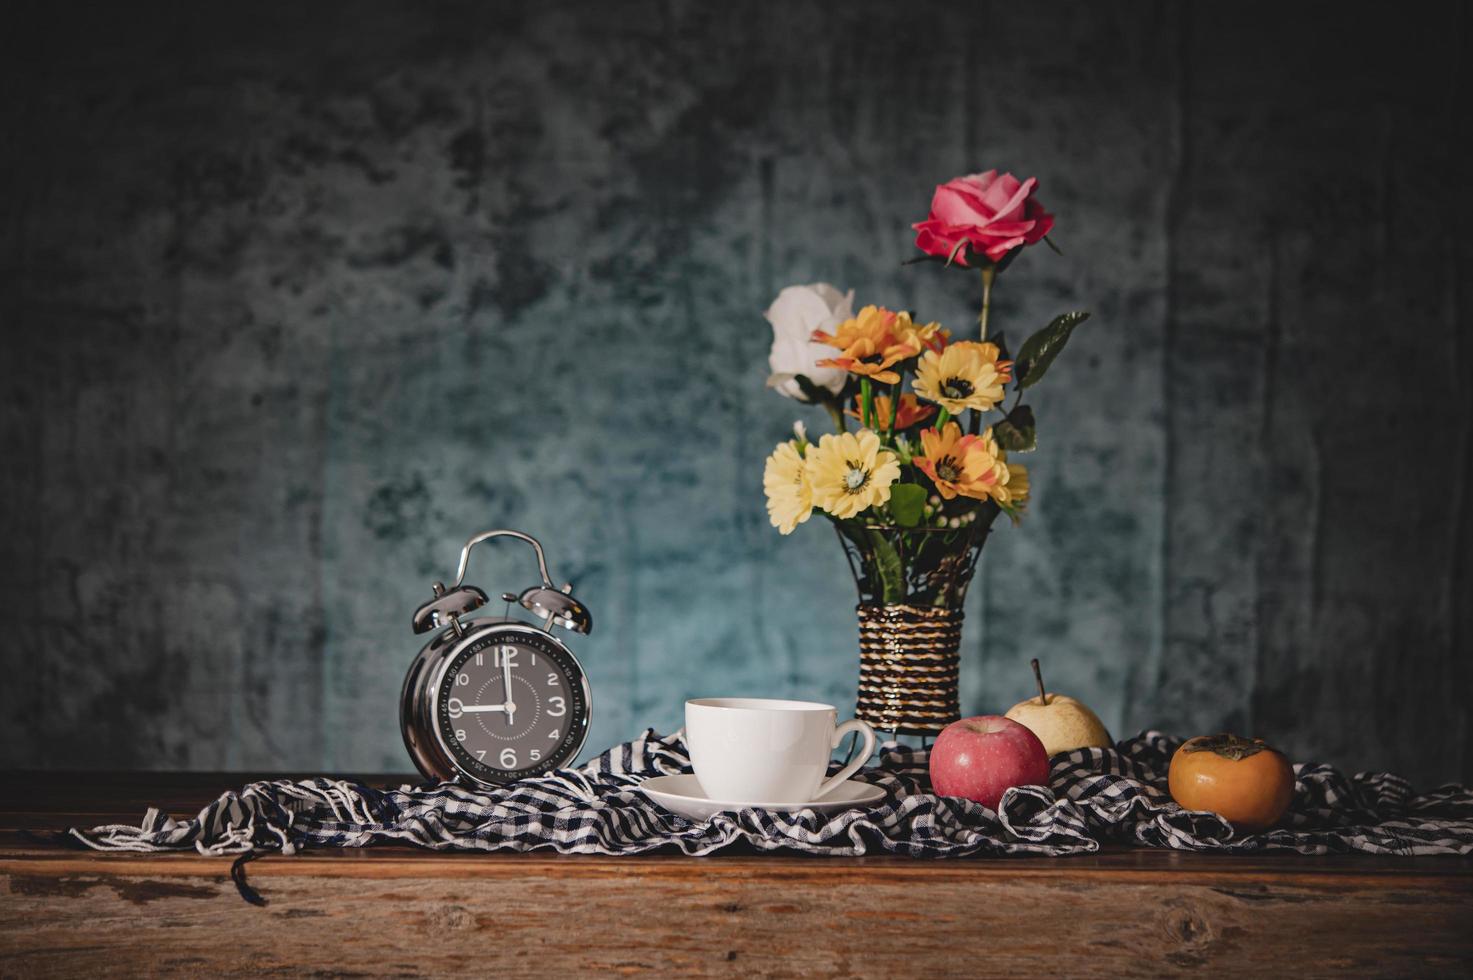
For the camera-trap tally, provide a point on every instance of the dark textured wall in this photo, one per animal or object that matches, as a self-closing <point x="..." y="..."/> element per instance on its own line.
<point x="295" y="297"/>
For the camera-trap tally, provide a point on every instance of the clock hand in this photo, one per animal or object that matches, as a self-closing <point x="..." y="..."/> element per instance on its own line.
<point x="509" y="706"/>
<point x="458" y="707"/>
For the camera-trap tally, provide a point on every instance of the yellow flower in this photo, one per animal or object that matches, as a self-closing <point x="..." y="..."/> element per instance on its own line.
<point x="965" y="375"/>
<point x="958" y="464"/>
<point x="849" y="472"/>
<point x="911" y="411"/>
<point x="1018" y="485"/>
<point x="1009" y="485"/>
<point x="875" y="340"/>
<point x="789" y="500"/>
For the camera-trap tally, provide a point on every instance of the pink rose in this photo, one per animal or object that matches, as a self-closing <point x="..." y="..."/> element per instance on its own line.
<point x="992" y="214"/>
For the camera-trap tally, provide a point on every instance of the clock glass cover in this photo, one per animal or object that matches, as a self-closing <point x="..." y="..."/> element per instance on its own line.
<point x="511" y="703"/>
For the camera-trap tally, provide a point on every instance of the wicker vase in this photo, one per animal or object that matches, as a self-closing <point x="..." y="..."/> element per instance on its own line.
<point x="912" y="582"/>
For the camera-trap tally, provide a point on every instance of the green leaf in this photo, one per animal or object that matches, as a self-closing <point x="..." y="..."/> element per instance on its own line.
<point x="1017" y="433"/>
<point x="887" y="567"/>
<point x="907" y="503"/>
<point x="1039" y="351"/>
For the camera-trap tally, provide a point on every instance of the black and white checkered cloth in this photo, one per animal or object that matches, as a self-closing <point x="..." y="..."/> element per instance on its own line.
<point x="1095" y="796"/>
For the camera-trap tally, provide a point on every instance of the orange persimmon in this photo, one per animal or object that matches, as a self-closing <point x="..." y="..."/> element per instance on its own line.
<point x="1243" y="780"/>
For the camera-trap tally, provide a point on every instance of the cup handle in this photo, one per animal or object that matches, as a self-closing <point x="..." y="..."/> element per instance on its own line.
<point x="868" y="734"/>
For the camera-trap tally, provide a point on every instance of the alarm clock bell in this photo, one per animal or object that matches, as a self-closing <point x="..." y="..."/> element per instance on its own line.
<point x="557" y="608"/>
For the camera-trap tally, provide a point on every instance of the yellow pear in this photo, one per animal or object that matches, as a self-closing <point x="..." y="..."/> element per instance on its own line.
<point x="1061" y="723"/>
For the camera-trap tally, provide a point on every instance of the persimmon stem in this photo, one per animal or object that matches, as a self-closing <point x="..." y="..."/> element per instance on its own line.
<point x="1038" y="676"/>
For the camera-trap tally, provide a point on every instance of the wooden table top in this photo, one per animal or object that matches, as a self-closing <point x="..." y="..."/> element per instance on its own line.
<point x="47" y="801"/>
<point x="63" y="909"/>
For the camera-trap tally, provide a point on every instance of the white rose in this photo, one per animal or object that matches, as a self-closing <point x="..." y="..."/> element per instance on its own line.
<point x="794" y="315"/>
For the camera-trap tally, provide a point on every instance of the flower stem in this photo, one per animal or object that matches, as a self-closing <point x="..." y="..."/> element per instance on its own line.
<point x="989" y="271"/>
<point x="867" y="403"/>
<point x="895" y="403"/>
<point x="942" y="417"/>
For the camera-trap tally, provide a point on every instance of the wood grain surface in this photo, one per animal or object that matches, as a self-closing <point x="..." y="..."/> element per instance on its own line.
<point x="405" y="912"/>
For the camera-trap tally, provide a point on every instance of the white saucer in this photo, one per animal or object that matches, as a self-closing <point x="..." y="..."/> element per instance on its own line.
<point x="682" y="794"/>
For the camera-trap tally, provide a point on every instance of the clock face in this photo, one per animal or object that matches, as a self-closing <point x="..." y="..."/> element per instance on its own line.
<point x="511" y="704"/>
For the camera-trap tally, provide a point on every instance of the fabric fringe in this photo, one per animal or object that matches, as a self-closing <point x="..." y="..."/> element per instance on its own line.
<point x="1095" y="795"/>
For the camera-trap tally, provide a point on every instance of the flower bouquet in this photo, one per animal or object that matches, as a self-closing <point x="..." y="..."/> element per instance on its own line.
<point x="913" y="490"/>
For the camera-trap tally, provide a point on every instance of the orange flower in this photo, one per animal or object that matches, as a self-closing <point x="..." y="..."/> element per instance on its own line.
<point x="875" y="340"/>
<point x="958" y="464"/>
<point x="1009" y="485"/>
<point x="1011" y="490"/>
<point x="911" y="411"/>
<point x="928" y="335"/>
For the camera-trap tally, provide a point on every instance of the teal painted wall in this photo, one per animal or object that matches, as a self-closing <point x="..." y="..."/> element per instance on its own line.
<point x="297" y="299"/>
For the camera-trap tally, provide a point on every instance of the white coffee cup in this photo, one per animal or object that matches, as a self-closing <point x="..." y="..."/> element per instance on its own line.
<point x="757" y="750"/>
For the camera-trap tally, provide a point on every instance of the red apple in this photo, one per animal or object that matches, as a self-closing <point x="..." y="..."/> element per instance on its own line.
<point x="978" y="758"/>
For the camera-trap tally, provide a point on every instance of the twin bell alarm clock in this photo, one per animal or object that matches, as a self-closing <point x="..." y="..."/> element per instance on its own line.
<point x="491" y="699"/>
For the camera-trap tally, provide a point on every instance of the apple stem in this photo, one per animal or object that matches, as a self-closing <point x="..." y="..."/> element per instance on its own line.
<point x="1038" y="676"/>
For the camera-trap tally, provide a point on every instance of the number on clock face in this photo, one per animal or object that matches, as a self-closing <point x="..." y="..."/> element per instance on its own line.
<point x="511" y="703"/>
